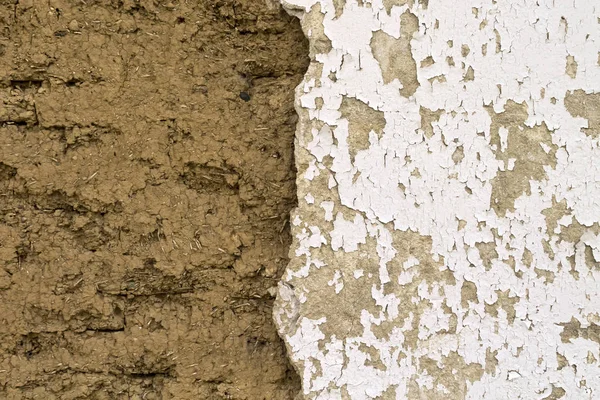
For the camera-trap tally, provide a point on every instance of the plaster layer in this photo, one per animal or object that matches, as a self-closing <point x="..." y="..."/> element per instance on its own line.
<point x="447" y="238"/>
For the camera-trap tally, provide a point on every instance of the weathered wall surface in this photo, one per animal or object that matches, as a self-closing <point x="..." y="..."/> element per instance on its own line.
<point x="447" y="243"/>
<point x="146" y="177"/>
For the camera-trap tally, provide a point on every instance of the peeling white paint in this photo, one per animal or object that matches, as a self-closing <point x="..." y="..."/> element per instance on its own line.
<point x="449" y="243"/>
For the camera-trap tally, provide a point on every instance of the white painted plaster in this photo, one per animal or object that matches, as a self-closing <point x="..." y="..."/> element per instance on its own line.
<point x="408" y="280"/>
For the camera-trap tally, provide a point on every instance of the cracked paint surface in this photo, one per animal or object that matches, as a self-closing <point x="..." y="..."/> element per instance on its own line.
<point x="447" y="238"/>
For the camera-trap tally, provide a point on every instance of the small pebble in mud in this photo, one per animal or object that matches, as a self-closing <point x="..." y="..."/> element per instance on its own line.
<point x="244" y="96"/>
<point x="74" y="26"/>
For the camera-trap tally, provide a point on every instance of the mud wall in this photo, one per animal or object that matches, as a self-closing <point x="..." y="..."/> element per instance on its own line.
<point x="446" y="243"/>
<point x="146" y="179"/>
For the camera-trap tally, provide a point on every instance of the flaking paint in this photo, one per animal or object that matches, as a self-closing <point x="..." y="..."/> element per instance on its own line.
<point x="447" y="238"/>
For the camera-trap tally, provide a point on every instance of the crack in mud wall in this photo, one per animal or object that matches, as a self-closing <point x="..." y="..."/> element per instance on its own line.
<point x="446" y="244"/>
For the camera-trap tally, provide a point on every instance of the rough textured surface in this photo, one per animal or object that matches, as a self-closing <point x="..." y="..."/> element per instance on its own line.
<point x="447" y="238"/>
<point x="143" y="201"/>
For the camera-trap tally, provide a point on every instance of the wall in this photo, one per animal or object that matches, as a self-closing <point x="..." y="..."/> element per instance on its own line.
<point x="447" y="243"/>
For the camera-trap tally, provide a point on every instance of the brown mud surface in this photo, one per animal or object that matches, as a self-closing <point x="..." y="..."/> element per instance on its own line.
<point x="146" y="176"/>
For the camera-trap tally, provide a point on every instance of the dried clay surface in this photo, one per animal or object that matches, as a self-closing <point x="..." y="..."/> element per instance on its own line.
<point x="146" y="177"/>
<point x="447" y="238"/>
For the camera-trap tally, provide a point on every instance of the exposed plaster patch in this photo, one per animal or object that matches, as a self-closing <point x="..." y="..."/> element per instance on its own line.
<point x="556" y="393"/>
<point x="428" y="118"/>
<point x="531" y="150"/>
<point x="394" y="55"/>
<point x="389" y="4"/>
<point x="571" y="68"/>
<point x="427" y="62"/>
<point x="362" y="121"/>
<point x="585" y="105"/>
<point x="574" y="329"/>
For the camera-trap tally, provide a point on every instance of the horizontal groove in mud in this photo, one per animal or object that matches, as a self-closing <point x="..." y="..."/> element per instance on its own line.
<point x="146" y="180"/>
